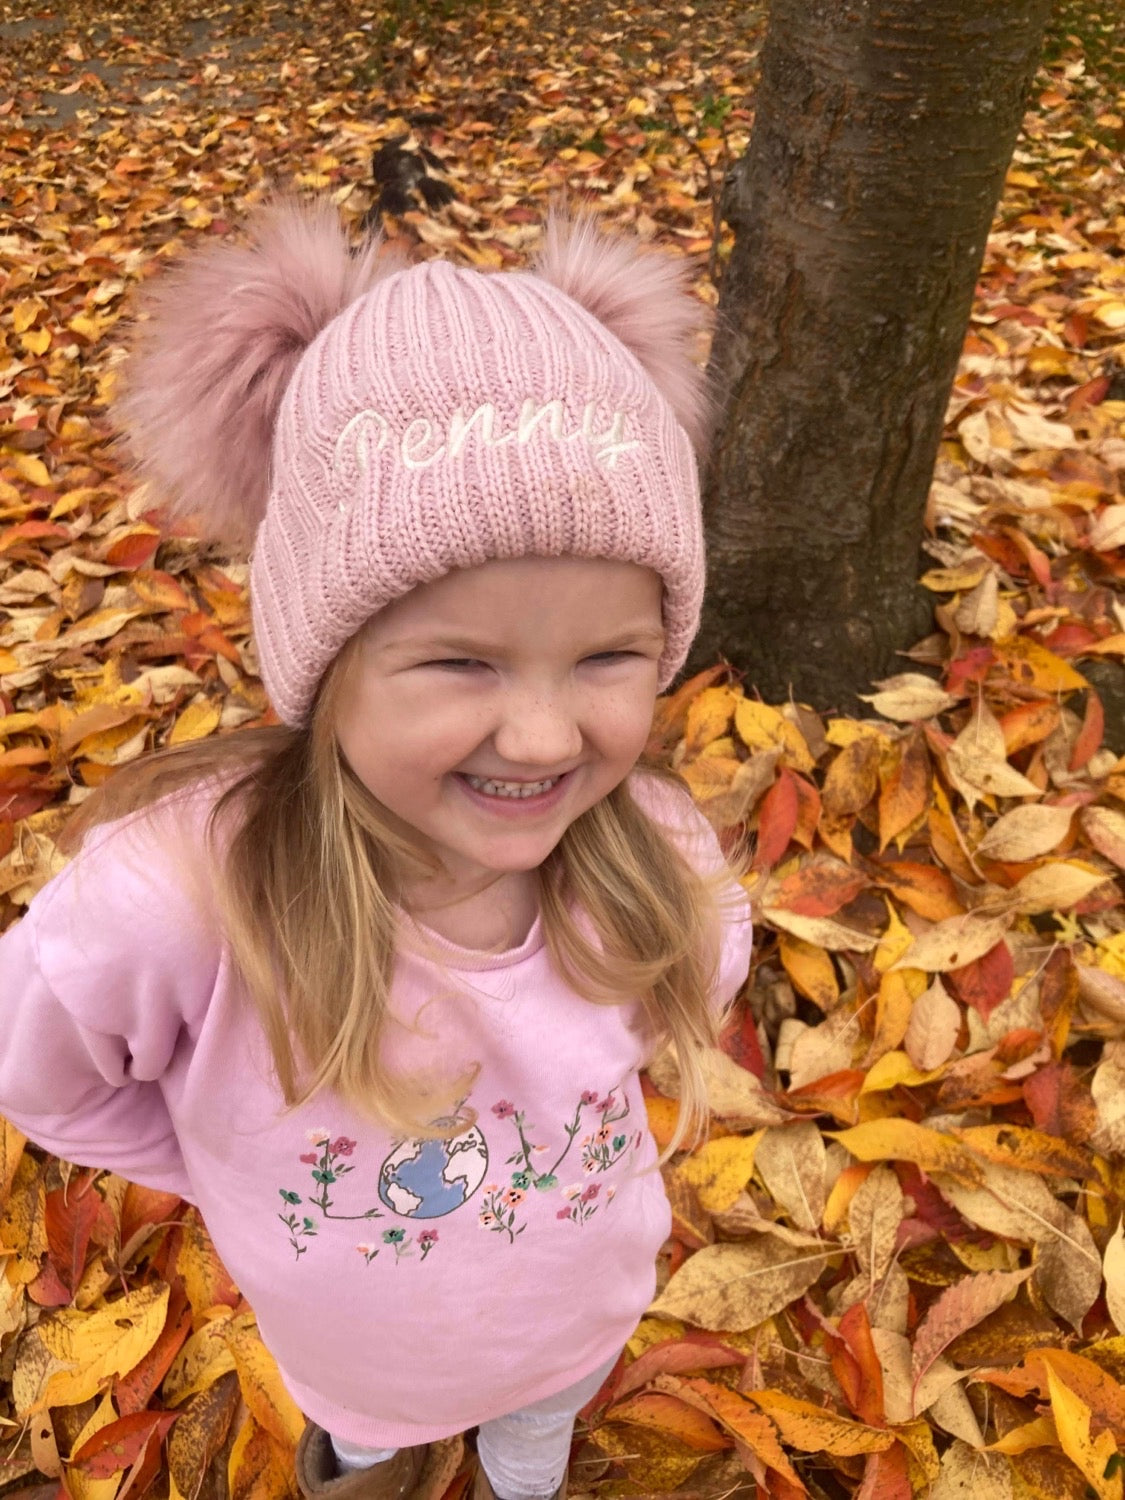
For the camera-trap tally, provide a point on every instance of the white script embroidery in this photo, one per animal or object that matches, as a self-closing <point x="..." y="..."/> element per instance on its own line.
<point x="423" y="443"/>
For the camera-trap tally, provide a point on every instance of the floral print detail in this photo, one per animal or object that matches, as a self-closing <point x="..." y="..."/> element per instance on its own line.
<point x="596" y="1126"/>
<point x="601" y="1148"/>
<point x="328" y="1166"/>
<point x="583" y="1204"/>
<point x="396" y="1239"/>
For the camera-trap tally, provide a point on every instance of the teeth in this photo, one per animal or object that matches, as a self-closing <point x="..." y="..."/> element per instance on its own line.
<point x="517" y="789"/>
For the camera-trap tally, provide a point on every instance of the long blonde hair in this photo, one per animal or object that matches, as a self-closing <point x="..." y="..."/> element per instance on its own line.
<point x="308" y="871"/>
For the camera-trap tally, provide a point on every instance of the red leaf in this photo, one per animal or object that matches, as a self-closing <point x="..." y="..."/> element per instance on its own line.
<point x="777" y="820"/>
<point x="739" y="1041"/>
<point x="1090" y="735"/>
<point x="676" y="1357"/>
<point x="71" y="1213"/>
<point x="119" y="1444"/>
<point x="1059" y="1103"/>
<point x="986" y="982"/>
<point x="886" y="1476"/>
<point x="819" y="889"/>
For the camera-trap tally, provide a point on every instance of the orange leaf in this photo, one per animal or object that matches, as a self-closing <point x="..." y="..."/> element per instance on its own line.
<point x="664" y="1413"/>
<point x="819" y="888"/>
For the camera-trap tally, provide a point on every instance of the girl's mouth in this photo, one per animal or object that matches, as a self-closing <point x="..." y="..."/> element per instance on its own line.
<point x="520" y="789"/>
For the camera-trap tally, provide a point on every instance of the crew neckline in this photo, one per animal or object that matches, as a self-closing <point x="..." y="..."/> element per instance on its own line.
<point x="459" y="957"/>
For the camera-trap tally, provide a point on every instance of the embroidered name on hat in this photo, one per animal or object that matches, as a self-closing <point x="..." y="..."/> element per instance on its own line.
<point x="424" y="442"/>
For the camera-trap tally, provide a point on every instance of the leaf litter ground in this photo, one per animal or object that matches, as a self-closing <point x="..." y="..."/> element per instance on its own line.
<point x="897" y="1264"/>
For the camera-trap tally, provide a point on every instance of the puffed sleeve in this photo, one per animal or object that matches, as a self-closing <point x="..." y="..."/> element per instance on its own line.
<point x="100" y="983"/>
<point x="671" y="806"/>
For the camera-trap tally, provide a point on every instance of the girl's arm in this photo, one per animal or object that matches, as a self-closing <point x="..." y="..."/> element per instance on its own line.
<point x="97" y="985"/>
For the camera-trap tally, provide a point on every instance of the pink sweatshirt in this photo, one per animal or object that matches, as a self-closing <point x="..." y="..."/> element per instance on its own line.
<point x="407" y="1289"/>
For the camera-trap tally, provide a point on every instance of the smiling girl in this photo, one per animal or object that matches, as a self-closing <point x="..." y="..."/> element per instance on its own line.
<point x="372" y="986"/>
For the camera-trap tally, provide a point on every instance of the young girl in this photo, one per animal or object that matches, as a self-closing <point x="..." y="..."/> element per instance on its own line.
<point x="372" y="986"/>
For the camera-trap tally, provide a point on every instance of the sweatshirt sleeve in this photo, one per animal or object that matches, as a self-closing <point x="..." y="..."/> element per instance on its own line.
<point x="673" y="809"/>
<point x="100" y="983"/>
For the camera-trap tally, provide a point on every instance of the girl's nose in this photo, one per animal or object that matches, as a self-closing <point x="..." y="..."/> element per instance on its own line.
<point x="539" y="730"/>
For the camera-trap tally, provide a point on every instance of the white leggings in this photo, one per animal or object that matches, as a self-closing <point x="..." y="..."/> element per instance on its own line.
<point x="524" y="1454"/>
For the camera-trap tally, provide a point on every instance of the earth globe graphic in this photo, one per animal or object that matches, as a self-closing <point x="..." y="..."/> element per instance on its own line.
<point x="426" y="1179"/>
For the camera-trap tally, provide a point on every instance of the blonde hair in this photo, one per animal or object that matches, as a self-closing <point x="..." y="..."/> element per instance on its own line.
<point x="308" y="871"/>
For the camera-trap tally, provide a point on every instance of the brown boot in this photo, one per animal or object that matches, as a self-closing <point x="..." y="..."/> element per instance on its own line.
<point x="421" y="1473"/>
<point x="482" y="1489"/>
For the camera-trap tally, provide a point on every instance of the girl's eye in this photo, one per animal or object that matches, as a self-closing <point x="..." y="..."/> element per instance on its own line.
<point x="611" y="656"/>
<point x="456" y="663"/>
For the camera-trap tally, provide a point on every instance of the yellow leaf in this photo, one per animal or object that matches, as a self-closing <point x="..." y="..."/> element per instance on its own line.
<point x="904" y="1140"/>
<point x="103" y="1343"/>
<point x="761" y="727"/>
<point x="663" y="1117"/>
<point x="199" y="719"/>
<point x="82" y="1486"/>
<point x="87" y="327"/>
<point x="895" y="941"/>
<point x="1032" y="665"/>
<point x="810" y="971"/>
<point x="25" y="312"/>
<point x="259" y="1468"/>
<point x="721" y="1169"/>
<point x="708" y="718"/>
<point x="813" y="1429"/>
<point x="1090" y="1455"/>
<point x="895" y="1068"/>
<point x="204" y="1357"/>
<point x="38" y="341"/>
<point x="270" y="1403"/>
<point x="33" y="469"/>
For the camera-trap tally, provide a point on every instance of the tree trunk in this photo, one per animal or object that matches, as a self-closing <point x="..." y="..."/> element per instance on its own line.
<point x="882" y="134"/>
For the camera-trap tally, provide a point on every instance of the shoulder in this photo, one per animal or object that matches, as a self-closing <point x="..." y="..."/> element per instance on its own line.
<point x="668" y="803"/>
<point x="139" y="881"/>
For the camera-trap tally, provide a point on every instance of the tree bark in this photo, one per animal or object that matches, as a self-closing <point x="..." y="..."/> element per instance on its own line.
<point x="882" y="134"/>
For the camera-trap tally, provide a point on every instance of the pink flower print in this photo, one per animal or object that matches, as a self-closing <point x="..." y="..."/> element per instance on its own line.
<point x="491" y="1187"/>
<point x="514" y="1196"/>
<point x="573" y="1190"/>
<point x="539" y="1150"/>
<point x="586" y="1140"/>
<point x="589" y="1194"/>
<point x="607" y="1103"/>
<point x="428" y="1237"/>
<point x="310" y="1157"/>
<point x="563" y="1213"/>
<point x="504" y="1110"/>
<point x="341" y="1146"/>
<point x="610" y="1193"/>
<point x="486" y="1219"/>
<point x="365" y="1249"/>
<point x="603" y="1135"/>
<point x="317" y="1137"/>
<point x="589" y="1096"/>
<point x="590" y="1165"/>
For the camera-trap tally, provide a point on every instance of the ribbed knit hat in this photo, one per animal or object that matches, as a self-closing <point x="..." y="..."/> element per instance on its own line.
<point x="371" y="425"/>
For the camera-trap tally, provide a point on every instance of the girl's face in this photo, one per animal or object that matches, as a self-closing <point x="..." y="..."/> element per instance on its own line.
<point x="487" y="710"/>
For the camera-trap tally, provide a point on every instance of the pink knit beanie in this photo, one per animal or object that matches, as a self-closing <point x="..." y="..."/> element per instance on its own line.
<point x="370" y="425"/>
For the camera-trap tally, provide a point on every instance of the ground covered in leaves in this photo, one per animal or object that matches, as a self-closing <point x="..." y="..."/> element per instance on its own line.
<point x="898" y="1264"/>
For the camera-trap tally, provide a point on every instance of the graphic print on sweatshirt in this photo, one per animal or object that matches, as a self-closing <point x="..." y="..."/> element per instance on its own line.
<point x="424" y="1179"/>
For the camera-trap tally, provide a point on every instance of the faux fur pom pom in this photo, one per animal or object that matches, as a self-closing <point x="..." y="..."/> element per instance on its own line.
<point x="641" y="296"/>
<point x="207" y="370"/>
